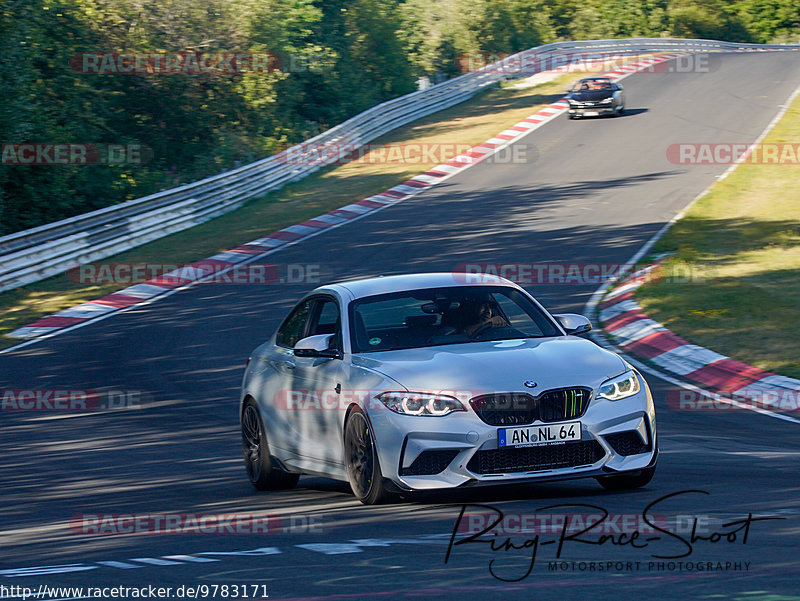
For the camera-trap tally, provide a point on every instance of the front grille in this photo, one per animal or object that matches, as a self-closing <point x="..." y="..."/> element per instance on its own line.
<point x="627" y="443"/>
<point x="511" y="409"/>
<point x="564" y="403"/>
<point x="528" y="459"/>
<point x="520" y="408"/>
<point x="429" y="463"/>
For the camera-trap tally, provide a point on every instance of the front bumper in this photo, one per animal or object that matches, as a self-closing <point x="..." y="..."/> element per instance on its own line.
<point x="423" y="453"/>
<point x="592" y="111"/>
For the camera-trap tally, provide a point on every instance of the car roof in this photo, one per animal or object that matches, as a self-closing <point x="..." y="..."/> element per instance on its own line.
<point x="417" y="281"/>
<point x="596" y="79"/>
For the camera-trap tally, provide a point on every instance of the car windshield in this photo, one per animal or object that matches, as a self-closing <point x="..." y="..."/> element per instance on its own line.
<point x="592" y="85"/>
<point x="451" y="315"/>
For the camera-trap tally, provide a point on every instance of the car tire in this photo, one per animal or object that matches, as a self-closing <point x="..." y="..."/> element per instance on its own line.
<point x="261" y="467"/>
<point x="627" y="482"/>
<point x="361" y="460"/>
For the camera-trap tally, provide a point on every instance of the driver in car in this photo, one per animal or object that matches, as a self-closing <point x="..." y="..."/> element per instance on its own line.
<point x="478" y="315"/>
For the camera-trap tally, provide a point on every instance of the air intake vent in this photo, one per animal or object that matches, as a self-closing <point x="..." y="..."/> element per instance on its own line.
<point x="430" y="462"/>
<point x="627" y="443"/>
<point x="529" y="459"/>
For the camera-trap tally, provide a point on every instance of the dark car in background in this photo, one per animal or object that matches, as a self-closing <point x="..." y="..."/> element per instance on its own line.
<point x="595" y="96"/>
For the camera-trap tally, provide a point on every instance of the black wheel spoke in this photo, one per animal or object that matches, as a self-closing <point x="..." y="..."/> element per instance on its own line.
<point x="358" y="445"/>
<point x="258" y="462"/>
<point x="251" y="443"/>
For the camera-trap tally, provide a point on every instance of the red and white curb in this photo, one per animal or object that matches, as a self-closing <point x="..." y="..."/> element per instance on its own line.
<point x="634" y="332"/>
<point x="197" y="272"/>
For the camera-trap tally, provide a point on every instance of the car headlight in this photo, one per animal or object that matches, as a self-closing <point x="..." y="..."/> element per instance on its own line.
<point x="620" y="387"/>
<point x="605" y="101"/>
<point x="420" y="403"/>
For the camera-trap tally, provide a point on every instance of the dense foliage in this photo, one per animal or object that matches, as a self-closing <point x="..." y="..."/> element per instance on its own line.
<point x="332" y="59"/>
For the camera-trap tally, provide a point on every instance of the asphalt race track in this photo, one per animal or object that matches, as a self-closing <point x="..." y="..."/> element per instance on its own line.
<point x="591" y="191"/>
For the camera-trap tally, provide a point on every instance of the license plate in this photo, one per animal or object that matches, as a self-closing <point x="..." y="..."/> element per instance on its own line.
<point x="591" y="113"/>
<point x="531" y="436"/>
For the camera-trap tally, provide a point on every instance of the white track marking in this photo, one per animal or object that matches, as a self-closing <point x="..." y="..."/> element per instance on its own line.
<point x="251" y="553"/>
<point x="119" y="564"/>
<point x="44" y="570"/>
<point x="332" y="548"/>
<point x="155" y="561"/>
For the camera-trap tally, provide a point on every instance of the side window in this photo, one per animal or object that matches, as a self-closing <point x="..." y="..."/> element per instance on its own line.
<point x="294" y="326"/>
<point x="517" y="317"/>
<point x="326" y="320"/>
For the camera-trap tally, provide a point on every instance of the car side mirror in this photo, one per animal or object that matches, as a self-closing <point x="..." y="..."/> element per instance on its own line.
<point x="574" y="324"/>
<point x="317" y="346"/>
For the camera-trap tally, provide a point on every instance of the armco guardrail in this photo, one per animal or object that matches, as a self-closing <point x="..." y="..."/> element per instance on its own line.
<point x="38" y="253"/>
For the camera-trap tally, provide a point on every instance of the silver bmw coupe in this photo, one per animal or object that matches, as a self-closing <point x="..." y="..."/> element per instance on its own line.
<point x="595" y="96"/>
<point x="432" y="381"/>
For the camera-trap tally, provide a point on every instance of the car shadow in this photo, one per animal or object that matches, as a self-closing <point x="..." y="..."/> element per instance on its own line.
<point x="633" y="112"/>
<point x="626" y="113"/>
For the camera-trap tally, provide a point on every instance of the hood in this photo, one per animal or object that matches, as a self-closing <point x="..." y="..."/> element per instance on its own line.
<point x="498" y="366"/>
<point x="591" y="95"/>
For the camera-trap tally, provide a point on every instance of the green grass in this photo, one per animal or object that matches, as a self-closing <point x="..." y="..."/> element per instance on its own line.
<point x="743" y="239"/>
<point x="468" y="123"/>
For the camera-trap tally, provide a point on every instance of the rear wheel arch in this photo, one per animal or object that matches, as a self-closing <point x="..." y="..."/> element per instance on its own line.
<point x="246" y="399"/>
